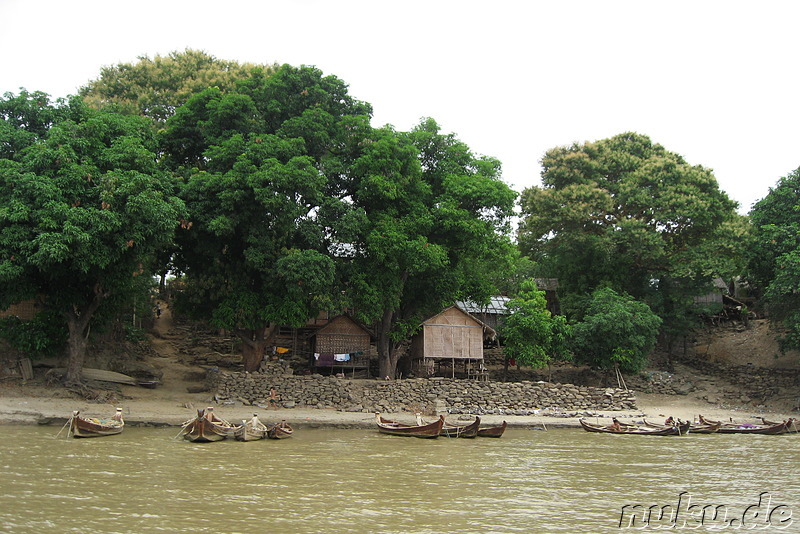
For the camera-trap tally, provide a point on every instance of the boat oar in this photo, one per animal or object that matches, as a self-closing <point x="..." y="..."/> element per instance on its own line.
<point x="68" y="423"/>
<point x="183" y="428"/>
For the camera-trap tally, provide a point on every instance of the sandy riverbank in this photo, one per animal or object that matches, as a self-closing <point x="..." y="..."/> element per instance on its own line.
<point x="38" y="405"/>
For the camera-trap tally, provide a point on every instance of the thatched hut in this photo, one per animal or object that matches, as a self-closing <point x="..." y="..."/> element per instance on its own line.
<point x="450" y="343"/>
<point x="342" y="345"/>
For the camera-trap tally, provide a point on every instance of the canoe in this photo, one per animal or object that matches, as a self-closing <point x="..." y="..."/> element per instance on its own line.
<point x="280" y="430"/>
<point x="455" y="430"/>
<point x="635" y="429"/>
<point x="206" y="427"/>
<point x="90" y="427"/>
<point x="492" y="431"/>
<point x="749" y="428"/>
<point x="250" y="430"/>
<point x="430" y="430"/>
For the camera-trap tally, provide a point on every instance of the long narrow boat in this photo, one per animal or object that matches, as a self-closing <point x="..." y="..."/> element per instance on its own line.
<point x="90" y="427"/>
<point x="250" y="430"/>
<point x="388" y="426"/>
<point x="206" y="427"/>
<point x="749" y="428"/>
<point x="790" y="427"/>
<point x="492" y="431"/>
<point x="280" y="430"/>
<point x="455" y="430"/>
<point x="695" y="427"/>
<point x="635" y="430"/>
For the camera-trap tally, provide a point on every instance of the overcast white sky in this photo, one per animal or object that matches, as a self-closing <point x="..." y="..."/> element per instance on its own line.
<point x="714" y="81"/>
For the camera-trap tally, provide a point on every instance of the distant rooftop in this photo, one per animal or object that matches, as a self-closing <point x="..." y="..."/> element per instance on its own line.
<point x="496" y="306"/>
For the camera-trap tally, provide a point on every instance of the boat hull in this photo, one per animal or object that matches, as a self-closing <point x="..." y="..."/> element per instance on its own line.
<point x="90" y="427"/>
<point x="202" y="430"/>
<point x="86" y="428"/>
<point x="631" y="430"/>
<point x="249" y="432"/>
<point x="493" y="431"/>
<point x="280" y="431"/>
<point x="733" y="428"/>
<point x="394" y="428"/>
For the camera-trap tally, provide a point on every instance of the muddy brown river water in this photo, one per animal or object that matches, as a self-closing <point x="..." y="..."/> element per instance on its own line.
<point x="360" y="481"/>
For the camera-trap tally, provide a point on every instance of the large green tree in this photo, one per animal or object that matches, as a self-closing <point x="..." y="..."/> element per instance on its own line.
<point x="774" y="254"/>
<point x="425" y="222"/>
<point x="156" y="87"/>
<point x="626" y="213"/>
<point x="261" y="164"/>
<point x="616" y="331"/>
<point x="532" y="335"/>
<point x="83" y="210"/>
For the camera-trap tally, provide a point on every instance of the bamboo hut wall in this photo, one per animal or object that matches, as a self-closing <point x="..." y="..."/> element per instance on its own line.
<point x="342" y="335"/>
<point x="451" y="334"/>
<point x="25" y="310"/>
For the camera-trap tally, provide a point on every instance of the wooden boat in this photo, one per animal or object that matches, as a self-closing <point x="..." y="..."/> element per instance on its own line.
<point x="693" y="428"/>
<point x="696" y="427"/>
<point x="280" y="430"/>
<point x="454" y="430"/>
<point x="492" y="431"/>
<point x="90" y="427"/>
<point x="791" y="427"/>
<point x="635" y="429"/>
<point x="430" y="430"/>
<point x="206" y="427"/>
<point x="250" y="430"/>
<point x="749" y="428"/>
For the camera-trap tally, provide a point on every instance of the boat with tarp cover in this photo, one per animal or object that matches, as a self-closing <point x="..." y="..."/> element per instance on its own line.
<point x="91" y="427"/>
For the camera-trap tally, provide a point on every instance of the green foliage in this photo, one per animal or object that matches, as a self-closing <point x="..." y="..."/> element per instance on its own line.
<point x="774" y="259"/>
<point x="532" y="335"/>
<point x="156" y="87"/>
<point x="625" y="213"/>
<point x="616" y="330"/>
<point x="44" y="335"/>
<point x="84" y="210"/>
<point x="259" y="162"/>
<point x="426" y="225"/>
<point x="133" y="333"/>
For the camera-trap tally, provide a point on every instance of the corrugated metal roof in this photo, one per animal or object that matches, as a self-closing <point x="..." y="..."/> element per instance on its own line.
<point x="497" y="306"/>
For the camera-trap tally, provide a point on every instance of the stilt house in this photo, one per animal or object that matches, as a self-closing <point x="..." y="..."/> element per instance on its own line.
<point x="450" y="344"/>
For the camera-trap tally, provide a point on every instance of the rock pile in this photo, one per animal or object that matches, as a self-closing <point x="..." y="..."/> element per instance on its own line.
<point x="416" y="395"/>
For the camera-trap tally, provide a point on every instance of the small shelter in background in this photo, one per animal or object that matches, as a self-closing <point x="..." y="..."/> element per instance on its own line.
<point x="342" y="345"/>
<point x="25" y="310"/>
<point x="450" y="343"/>
<point x="492" y="314"/>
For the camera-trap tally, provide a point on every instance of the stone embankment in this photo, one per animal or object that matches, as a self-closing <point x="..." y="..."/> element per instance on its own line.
<point x="426" y="395"/>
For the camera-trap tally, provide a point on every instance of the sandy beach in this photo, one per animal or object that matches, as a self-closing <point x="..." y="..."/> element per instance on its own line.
<point x="171" y="405"/>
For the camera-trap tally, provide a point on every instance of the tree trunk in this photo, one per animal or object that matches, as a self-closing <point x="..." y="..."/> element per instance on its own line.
<point x="254" y="344"/>
<point x="387" y="349"/>
<point x="78" y="326"/>
<point x="76" y="344"/>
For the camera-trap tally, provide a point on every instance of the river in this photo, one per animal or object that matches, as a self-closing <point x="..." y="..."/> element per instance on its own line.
<point x="360" y="481"/>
